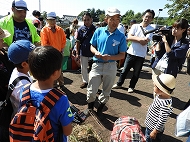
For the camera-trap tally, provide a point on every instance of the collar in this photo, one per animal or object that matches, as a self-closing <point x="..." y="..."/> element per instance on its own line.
<point x="115" y="32"/>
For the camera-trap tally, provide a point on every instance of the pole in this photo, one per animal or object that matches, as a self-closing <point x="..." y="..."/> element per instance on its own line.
<point x="158" y="16"/>
<point x="40" y="5"/>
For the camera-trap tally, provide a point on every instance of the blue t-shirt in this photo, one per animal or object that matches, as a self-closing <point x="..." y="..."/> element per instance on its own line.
<point x="60" y="114"/>
<point x="108" y="43"/>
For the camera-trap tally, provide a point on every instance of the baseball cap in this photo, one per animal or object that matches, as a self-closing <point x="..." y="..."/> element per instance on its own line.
<point x="51" y="15"/>
<point x="19" y="50"/>
<point x="20" y="5"/>
<point x="133" y="21"/>
<point x="4" y="33"/>
<point x="112" y="11"/>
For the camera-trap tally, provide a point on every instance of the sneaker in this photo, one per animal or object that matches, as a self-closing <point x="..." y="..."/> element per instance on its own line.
<point x="130" y="90"/>
<point x="84" y="85"/>
<point x="116" y="86"/>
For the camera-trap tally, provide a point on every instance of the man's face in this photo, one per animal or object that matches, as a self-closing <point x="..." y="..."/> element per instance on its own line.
<point x="19" y="15"/>
<point x="147" y="18"/>
<point x="87" y="20"/>
<point x="51" y="22"/>
<point x="113" y="21"/>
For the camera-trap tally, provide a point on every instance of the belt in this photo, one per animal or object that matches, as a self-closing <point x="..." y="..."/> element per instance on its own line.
<point x="101" y="62"/>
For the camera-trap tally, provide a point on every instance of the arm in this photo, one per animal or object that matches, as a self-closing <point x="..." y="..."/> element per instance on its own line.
<point x="107" y="57"/>
<point x="167" y="47"/>
<point x="143" y="41"/>
<point x="67" y="129"/>
<point x="64" y="41"/>
<point x="44" y="38"/>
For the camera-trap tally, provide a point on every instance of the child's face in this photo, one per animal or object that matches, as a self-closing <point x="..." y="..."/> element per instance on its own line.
<point x="156" y="89"/>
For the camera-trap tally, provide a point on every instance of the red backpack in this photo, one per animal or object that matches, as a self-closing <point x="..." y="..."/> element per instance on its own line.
<point x="127" y="129"/>
<point x="31" y="123"/>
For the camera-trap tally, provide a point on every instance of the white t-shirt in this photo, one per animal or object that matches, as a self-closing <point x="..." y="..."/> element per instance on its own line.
<point x="15" y="96"/>
<point x="136" y="48"/>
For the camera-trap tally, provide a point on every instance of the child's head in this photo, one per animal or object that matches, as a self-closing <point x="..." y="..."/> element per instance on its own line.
<point x="18" y="52"/>
<point x="44" y="61"/>
<point x="165" y="83"/>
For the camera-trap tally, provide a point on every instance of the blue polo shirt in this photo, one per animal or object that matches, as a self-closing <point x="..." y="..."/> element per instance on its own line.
<point x="108" y="43"/>
<point x="85" y="45"/>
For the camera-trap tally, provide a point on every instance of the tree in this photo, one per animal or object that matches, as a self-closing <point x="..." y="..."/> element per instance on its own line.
<point x="179" y="9"/>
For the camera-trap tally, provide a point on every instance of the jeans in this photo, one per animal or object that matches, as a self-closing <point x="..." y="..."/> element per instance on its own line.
<point x="148" y="139"/>
<point x="134" y="62"/>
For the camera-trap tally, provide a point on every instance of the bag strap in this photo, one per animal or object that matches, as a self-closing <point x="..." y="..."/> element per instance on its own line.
<point x="87" y="33"/>
<point x="47" y="103"/>
<point x="11" y="87"/>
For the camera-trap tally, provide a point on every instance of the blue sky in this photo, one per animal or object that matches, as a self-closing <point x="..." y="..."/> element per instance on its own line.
<point x="74" y="7"/>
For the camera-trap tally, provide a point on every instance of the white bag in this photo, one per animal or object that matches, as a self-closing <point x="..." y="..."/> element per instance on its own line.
<point x="183" y="123"/>
<point x="162" y="63"/>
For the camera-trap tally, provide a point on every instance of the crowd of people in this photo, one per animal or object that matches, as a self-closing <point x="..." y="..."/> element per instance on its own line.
<point x="41" y="53"/>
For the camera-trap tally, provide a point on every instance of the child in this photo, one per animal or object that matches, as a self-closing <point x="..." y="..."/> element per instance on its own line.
<point x="161" y="107"/>
<point x="18" y="53"/>
<point x="45" y="70"/>
<point x="66" y="50"/>
<point x="3" y="34"/>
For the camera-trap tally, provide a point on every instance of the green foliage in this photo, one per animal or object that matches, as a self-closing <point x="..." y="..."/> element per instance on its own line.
<point x="178" y="9"/>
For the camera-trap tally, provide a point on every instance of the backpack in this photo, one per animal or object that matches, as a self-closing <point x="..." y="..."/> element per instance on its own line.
<point x="31" y="123"/>
<point x="6" y="68"/>
<point x="6" y="110"/>
<point x="127" y="129"/>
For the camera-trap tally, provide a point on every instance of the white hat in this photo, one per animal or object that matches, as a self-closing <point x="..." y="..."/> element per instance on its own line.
<point x="51" y="15"/>
<point x="165" y="82"/>
<point x="4" y="33"/>
<point x="112" y="11"/>
<point x="19" y="5"/>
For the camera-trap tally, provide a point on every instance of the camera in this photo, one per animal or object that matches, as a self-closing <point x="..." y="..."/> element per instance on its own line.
<point x="157" y="37"/>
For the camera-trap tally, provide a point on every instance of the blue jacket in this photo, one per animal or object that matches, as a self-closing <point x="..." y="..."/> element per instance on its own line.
<point x="176" y="57"/>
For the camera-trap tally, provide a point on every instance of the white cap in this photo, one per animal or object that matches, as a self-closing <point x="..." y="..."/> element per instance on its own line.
<point x="20" y="5"/>
<point x="51" y="15"/>
<point x="112" y="11"/>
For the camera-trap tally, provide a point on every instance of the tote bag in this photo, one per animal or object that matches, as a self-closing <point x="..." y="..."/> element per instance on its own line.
<point x="162" y="63"/>
<point x="183" y="123"/>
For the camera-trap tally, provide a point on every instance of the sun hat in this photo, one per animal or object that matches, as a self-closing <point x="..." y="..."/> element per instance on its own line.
<point x="19" y="50"/>
<point x="112" y="11"/>
<point x="165" y="82"/>
<point x="20" y="5"/>
<point x="4" y="33"/>
<point x="51" y="15"/>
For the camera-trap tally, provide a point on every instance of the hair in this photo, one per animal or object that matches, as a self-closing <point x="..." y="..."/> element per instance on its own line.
<point x="87" y="14"/>
<point x="36" y="13"/>
<point x="68" y="33"/>
<point x="182" y="23"/>
<point x="44" y="61"/>
<point x="150" y="11"/>
<point x="75" y="21"/>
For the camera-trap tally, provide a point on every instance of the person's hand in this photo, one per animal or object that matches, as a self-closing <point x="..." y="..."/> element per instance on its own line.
<point x="143" y="41"/>
<point x="106" y="57"/>
<point x="153" y="134"/>
<point x="97" y="54"/>
<point x="164" y="38"/>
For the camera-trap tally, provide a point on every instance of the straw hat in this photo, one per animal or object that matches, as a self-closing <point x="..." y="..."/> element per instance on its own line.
<point x="165" y="82"/>
<point x="4" y="33"/>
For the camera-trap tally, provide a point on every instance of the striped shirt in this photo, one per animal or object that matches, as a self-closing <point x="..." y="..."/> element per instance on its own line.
<point x="158" y="113"/>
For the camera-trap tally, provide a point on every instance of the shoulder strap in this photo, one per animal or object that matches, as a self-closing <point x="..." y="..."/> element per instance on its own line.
<point x="87" y="33"/>
<point x="50" y="99"/>
<point x="11" y="87"/>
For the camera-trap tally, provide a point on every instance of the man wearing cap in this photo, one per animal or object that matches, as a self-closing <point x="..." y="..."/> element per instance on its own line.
<point x="137" y="50"/>
<point x="18" y="26"/>
<point x="53" y="35"/>
<point x="108" y="44"/>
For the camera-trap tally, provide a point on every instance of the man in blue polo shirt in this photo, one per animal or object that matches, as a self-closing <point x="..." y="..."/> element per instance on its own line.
<point x="108" y="44"/>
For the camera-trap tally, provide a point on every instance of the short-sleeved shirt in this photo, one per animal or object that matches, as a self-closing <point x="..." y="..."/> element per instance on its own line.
<point x="67" y="48"/>
<point x="136" y="48"/>
<point x="108" y="43"/>
<point x="60" y="114"/>
<point x="57" y="39"/>
<point x="85" y="45"/>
